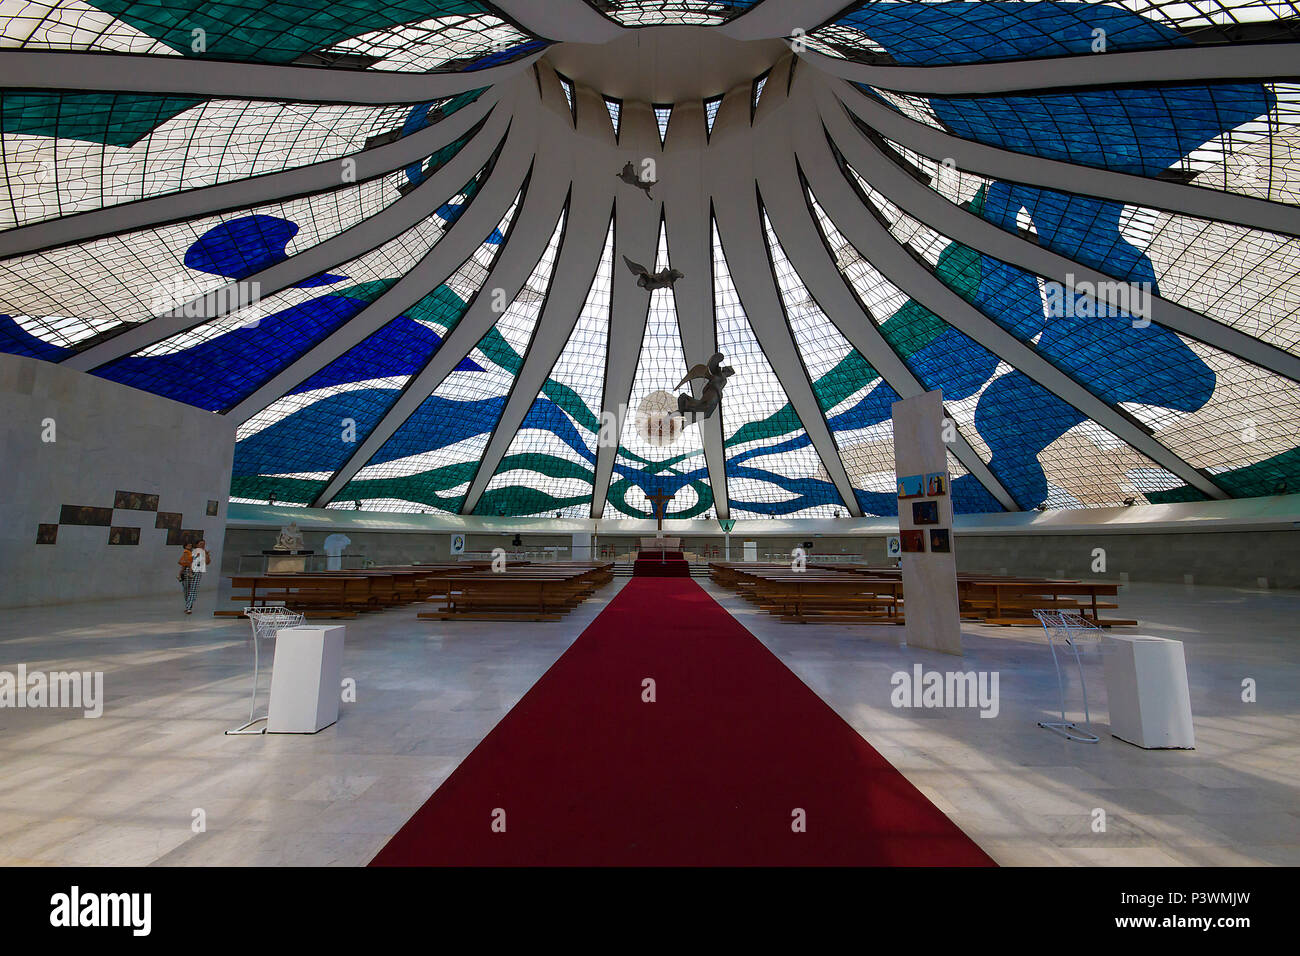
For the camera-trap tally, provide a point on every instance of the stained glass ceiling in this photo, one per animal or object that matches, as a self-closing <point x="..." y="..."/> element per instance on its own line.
<point x="409" y="290"/>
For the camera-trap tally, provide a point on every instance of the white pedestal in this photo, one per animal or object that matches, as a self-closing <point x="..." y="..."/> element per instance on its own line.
<point x="305" y="679"/>
<point x="1146" y="684"/>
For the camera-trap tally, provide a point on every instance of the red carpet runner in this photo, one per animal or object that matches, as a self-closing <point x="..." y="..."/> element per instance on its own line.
<point x="587" y="773"/>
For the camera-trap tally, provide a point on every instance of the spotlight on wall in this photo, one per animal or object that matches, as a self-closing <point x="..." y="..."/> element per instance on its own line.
<point x="1042" y="507"/>
<point x="270" y="499"/>
<point x="1130" y="501"/>
<point x="1280" y="487"/>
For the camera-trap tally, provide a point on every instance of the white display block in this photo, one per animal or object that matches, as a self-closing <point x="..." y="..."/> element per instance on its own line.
<point x="1146" y="684"/>
<point x="305" y="679"/>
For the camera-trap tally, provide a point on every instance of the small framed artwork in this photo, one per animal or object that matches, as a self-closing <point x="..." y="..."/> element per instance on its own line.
<point x="936" y="485"/>
<point x="123" y="535"/>
<point x="893" y="547"/>
<point x="135" y="501"/>
<point x="188" y="538"/>
<point x="171" y="520"/>
<point x="212" y="508"/>
<point x="925" y="512"/>
<point x="912" y="541"/>
<point x="940" y="543"/>
<point x="912" y="486"/>
<point x="87" y="515"/>
<point x="47" y="533"/>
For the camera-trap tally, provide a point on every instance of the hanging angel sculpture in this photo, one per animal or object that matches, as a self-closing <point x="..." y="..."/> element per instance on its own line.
<point x="715" y="375"/>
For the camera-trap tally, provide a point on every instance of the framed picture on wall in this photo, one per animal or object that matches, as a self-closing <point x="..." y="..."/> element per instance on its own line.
<point x="925" y="512"/>
<point x="87" y="515"/>
<point x="911" y="486"/>
<point x="47" y="533"/>
<point x="913" y="541"/>
<point x="893" y="546"/>
<point x="212" y="508"/>
<point x="135" y="501"/>
<point x="940" y="542"/>
<point x="936" y="485"/>
<point x="123" y="535"/>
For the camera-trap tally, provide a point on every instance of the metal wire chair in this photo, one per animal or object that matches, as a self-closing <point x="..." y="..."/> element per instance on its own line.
<point x="1070" y="627"/>
<point x="265" y="620"/>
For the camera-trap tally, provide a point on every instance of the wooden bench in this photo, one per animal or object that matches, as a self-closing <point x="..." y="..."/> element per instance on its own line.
<point x="1011" y="601"/>
<point x="537" y="593"/>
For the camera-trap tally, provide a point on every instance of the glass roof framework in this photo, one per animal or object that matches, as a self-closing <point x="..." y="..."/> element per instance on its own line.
<point x="550" y="464"/>
<point x="404" y="35"/>
<point x="295" y="445"/>
<point x="952" y="31"/>
<point x="1250" y="150"/>
<point x="1247" y="279"/>
<point x="66" y="153"/>
<point x="1200" y="402"/>
<point x="772" y="467"/>
<point x="431" y="459"/>
<point x="62" y="155"/>
<point x="645" y="461"/>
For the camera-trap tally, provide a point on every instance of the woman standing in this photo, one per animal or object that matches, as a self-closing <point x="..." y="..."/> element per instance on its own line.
<point x="194" y="563"/>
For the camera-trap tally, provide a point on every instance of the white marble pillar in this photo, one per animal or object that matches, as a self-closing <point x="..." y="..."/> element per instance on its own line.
<point x="929" y="576"/>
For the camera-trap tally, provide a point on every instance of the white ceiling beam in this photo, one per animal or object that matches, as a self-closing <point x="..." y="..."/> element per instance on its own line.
<point x="804" y="244"/>
<point x="444" y="258"/>
<point x="686" y="215"/>
<point x="860" y="227"/>
<point x="567" y="20"/>
<point x="1188" y="64"/>
<point x="366" y="235"/>
<point x="731" y="181"/>
<point x="526" y="242"/>
<point x="1011" y="166"/>
<point x="82" y="72"/>
<point x="188" y="204"/>
<point x="636" y="235"/>
<point x="955" y="223"/>
<point x="591" y="207"/>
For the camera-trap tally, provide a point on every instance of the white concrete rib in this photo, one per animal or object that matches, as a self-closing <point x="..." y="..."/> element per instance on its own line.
<point x="245" y="193"/>
<point x="861" y="228"/>
<point x="366" y="235"/>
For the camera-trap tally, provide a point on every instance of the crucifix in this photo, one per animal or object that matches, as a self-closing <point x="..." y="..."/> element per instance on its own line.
<point x="660" y="500"/>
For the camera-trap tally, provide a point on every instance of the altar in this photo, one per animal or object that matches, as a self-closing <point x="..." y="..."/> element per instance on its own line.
<point x="661" y="544"/>
<point x="289" y="556"/>
<point x="286" y="562"/>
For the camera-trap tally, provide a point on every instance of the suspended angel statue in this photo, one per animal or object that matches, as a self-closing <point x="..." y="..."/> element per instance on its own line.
<point x="663" y="279"/>
<point x="629" y="176"/>
<point x="715" y="375"/>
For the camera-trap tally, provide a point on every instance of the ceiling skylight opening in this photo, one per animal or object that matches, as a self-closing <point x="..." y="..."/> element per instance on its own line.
<point x="566" y="84"/>
<point x="615" y="108"/>
<point x="711" y="112"/>
<point x="758" y="92"/>
<point x="663" y="111"/>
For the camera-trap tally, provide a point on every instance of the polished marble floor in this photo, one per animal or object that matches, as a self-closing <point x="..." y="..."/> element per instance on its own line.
<point x="128" y="787"/>
<point x="1028" y="796"/>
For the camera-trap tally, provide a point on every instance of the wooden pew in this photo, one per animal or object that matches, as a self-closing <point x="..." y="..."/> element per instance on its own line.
<point x="536" y="593"/>
<point x="1011" y="601"/>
